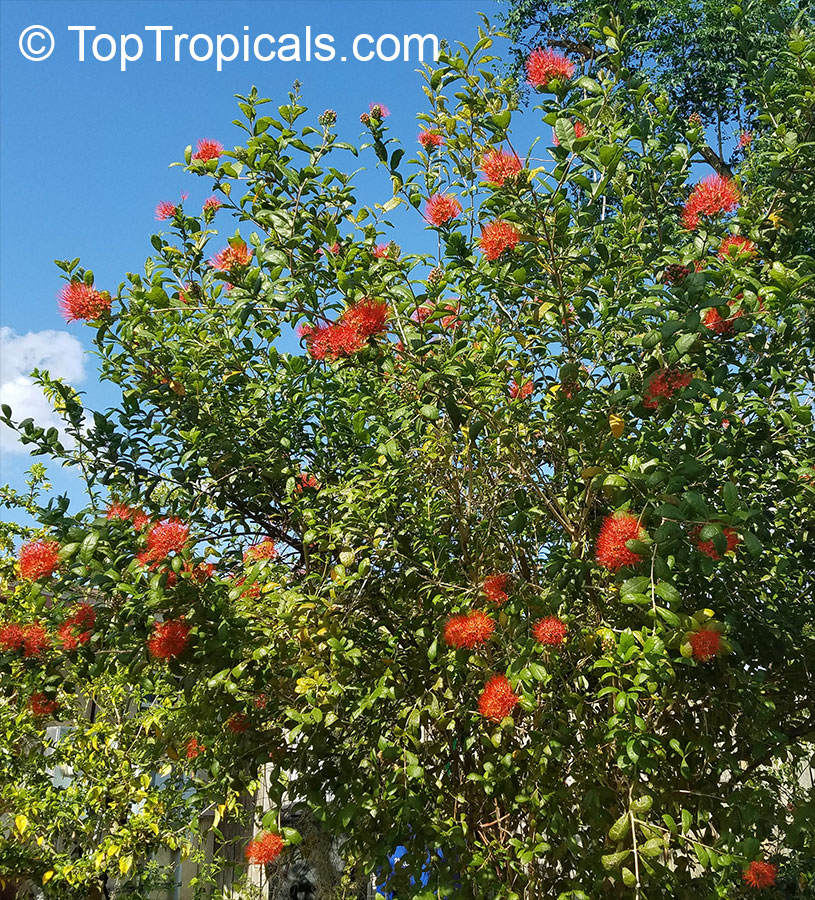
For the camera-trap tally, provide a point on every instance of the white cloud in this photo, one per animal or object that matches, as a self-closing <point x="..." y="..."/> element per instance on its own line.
<point x="58" y="352"/>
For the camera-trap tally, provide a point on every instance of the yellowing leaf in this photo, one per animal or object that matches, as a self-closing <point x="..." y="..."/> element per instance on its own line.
<point x="616" y="425"/>
<point x="21" y="823"/>
<point x="125" y="864"/>
<point x="47" y="876"/>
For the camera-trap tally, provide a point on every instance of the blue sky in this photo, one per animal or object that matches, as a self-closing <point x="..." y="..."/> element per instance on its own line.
<point x="86" y="146"/>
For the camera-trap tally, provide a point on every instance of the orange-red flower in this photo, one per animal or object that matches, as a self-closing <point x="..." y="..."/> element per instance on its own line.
<point x="265" y="549"/>
<point x="78" y="300"/>
<point x="194" y="748"/>
<point x="497" y="700"/>
<point x="705" y="643"/>
<point x="265" y="848"/>
<point x="208" y="149"/>
<point x="39" y="705"/>
<point x="760" y="874"/>
<point x="360" y="322"/>
<point x="165" y="210"/>
<point x="736" y="246"/>
<point x="545" y="66"/>
<point x="709" y="548"/>
<point x="232" y="257"/>
<point x="31" y="639"/>
<point x="716" y="322"/>
<point x="497" y="237"/>
<point x="212" y="204"/>
<point x="430" y="140"/>
<point x="122" y="511"/>
<point x="497" y="166"/>
<point x="238" y="722"/>
<point x="550" y="631"/>
<point x="77" y="628"/>
<point x="495" y="588"/>
<point x="715" y="194"/>
<point x="663" y="385"/>
<point x="169" y="639"/>
<point x="163" y="538"/>
<point x="38" y="559"/>
<point x="441" y="208"/>
<point x="615" y="531"/>
<point x="522" y="390"/>
<point x="468" y="631"/>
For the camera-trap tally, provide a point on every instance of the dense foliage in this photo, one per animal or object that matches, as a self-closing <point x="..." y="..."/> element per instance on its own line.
<point x="509" y="564"/>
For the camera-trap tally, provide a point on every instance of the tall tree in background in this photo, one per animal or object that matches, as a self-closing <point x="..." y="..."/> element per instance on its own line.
<point x="508" y="564"/>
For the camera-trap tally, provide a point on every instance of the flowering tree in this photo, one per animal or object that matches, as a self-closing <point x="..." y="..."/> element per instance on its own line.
<point x="508" y="564"/>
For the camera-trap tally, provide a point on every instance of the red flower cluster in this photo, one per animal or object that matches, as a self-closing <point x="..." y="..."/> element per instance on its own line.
<point x="430" y="140"/>
<point x="708" y="547"/>
<point x="663" y="385"/>
<point x="165" y="210"/>
<point x="32" y="639"/>
<point x="715" y="194"/>
<point x="550" y="631"/>
<point x="39" y="705"/>
<point x="381" y="251"/>
<point x="497" y="237"/>
<point x="715" y="321"/>
<point x="77" y="628"/>
<point x="265" y="549"/>
<point x="469" y="631"/>
<point x="164" y="538"/>
<point x="745" y="139"/>
<point x="265" y="848"/>
<point x="495" y="588"/>
<point x="78" y="300"/>
<point x="238" y="722"/>
<point x="735" y="246"/>
<point x="122" y="511"/>
<point x="208" y="149"/>
<point x="760" y="874"/>
<point x="38" y="559"/>
<point x="349" y="333"/>
<point x="545" y="66"/>
<point x="497" y="700"/>
<point x="193" y="748"/>
<point x="705" y="644"/>
<point x="615" y="531"/>
<point x="169" y="639"/>
<point x="521" y="390"/>
<point x="232" y="257"/>
<point x="580" y="131"/>
<point x="441" y="208"/>
<point x="306" y="480"/>
<point x="212" y="203"/>
<point x="378" y="110"/>
<point x="497" y="166"/>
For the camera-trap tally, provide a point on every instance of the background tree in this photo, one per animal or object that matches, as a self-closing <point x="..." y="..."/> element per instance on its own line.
<point x="508" y="564"/>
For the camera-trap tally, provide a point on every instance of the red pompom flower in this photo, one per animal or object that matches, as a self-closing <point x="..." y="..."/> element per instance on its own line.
<point x="522" y="390"/>
<point x="497" y="237"/>
<point x="430" y="140"/>
<point x="78" y="301"/>
<point x="469" y="631"/>
<point x="736" y="246"/>
<point x="550" y="631"/>
<point x="495" y="588"/>
<point x="760" y="874"/>
<point x="497" y="700"/>
<point x="193" y="748"/>
<point x="546" y="66"/>
<point x="208" y="149"/>
<point x="497" y="166"/>
<point x="580" y="131"/>
<point x="265" y="549"/>
<point x="38" y="559"/>
<point x="441" y="208"/>
<point x="77" y="628"/>
<point x="705" y="643"/>
<point x="165" y="210"/>
<point x="715" y="194"/>
<point x="709" y="548"/>
<point x="232" y="257"/>
<point x="663" y="385"/>
<point x="211" y="204"/>
<point x="39" y="705"/>
<point x="169" y="639"/>
<point x="265" y="848"/>
<point x="615" y="531"/>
